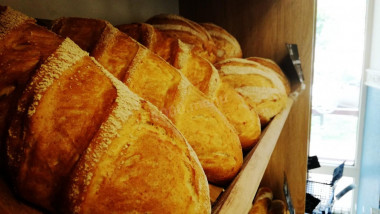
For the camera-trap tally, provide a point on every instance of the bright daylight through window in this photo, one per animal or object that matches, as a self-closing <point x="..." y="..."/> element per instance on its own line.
<point x="336" y="82"/>
<point x="338" y="68"/>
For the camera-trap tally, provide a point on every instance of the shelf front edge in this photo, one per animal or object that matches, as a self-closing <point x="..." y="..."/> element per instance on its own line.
<point x="240" y="193"/>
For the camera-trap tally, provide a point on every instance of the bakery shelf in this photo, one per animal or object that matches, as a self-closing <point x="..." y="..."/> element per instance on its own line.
<point x="239" y="194"/>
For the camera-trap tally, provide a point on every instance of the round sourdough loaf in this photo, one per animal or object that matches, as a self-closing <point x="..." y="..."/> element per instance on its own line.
<point x="270" y="64"/>
<point x="226" y="45"/>
<point x="187" y="31"/>
<point x="261" y="87"/>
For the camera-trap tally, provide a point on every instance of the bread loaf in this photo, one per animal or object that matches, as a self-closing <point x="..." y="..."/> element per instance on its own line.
<point x="205" y="77"/>
<point x="152" y="38"/>
<point x="261" y="87"/>
<point x="226" y="45"/>
<point x="206" y="129"/>
<point x="23" y="46"/>
<point x="270" y="64"/>
<point x="262" y="201"/>
<point x="82" y="141"/>
<point x="187" y="31"/>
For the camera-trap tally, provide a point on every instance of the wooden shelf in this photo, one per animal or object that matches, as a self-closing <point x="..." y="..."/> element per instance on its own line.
<point x="238" y="196"/>
<point x="240" y="193"/>
<point x="262" y="29"/>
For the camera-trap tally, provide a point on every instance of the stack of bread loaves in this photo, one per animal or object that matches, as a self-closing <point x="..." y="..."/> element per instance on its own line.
<point x="93" y="121"/>
<point x="80" y="141"/>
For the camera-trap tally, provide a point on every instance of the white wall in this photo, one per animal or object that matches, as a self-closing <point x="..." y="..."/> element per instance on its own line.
<point x="114" y="11"/>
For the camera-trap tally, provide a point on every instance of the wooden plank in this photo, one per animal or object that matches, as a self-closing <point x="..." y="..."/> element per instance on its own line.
<point x="215" y="192"/>
<point x="240" y="193"/>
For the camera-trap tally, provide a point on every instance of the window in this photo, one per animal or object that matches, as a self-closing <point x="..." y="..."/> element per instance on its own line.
<point x="336" y="88"/>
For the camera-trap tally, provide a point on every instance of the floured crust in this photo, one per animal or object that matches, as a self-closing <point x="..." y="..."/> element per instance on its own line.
<point x="122" y="129"/>
<point x="23" y="47"/>
<point x="157" y="81"/>
<point x="203" y="75"/>
<point x="10" y="19"/>
<point x="200" y="72"/>
<point x="270" y="64"/>
<point x="56" y="118"/>
<point x="187" y="31"/>
<point x="191" y="112"/>
<point x="73" y="105"/>
<point x="226" y="44"/>
<point x="261" y="87"/>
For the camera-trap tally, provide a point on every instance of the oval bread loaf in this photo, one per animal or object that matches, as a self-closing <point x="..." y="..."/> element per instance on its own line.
<point x="76" y="125"/>
<point x="83" y="142"/>
<point x="270" y="64"/>
<point x="204" y="126"/>
<point x="203" y="75"/>
<point x="261" y="87"/>
<point x="226" y="45"/>
<point x="187" y="31"/>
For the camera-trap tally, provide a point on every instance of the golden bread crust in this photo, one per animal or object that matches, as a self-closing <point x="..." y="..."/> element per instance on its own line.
<point x="23" y="46"/>
<point x="226" y="45"/>
<point x="245" y="119"/>
<point x="191" y="112"/>
<point x="261" y="87"/>
<point x="155" y="80"/>
<point x="58" y="114"/>
<point x="78" y="127"/>
<point x="270" y="64"/>
<point x="196" y="69"/>
<point x="203" y="75"/>
<point x="187" y="31"/>
<point x="87" y="31"/>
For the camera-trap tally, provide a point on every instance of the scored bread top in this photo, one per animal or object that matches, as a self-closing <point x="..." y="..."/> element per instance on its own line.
<point x="23" y="47"/>
<point x="270" y="64"/>
<point x="226" y="44"/>
<point x="261" y="87"/>
<point x="168" y="22"/>
<point x="58" y="113"/>
<point x="245" y="67"/>
<point x="199" y="71"/>
<point x="73" y="105"/>
<point x="187" y="31"/>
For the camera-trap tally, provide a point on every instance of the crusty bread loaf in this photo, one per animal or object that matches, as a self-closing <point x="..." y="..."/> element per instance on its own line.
<point x="261" y="87"/>
<point x="187" y="31"/>
<point x="23" y="46"/>
<point x="202" y="74"/>
<point x="81" y="141"/>
<point x="262" y="201"/>
<point x="226" y="45"/>
<point x="152" y="38"/>
<point x="206" y="129"/>
<point x="270" y="64"/>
